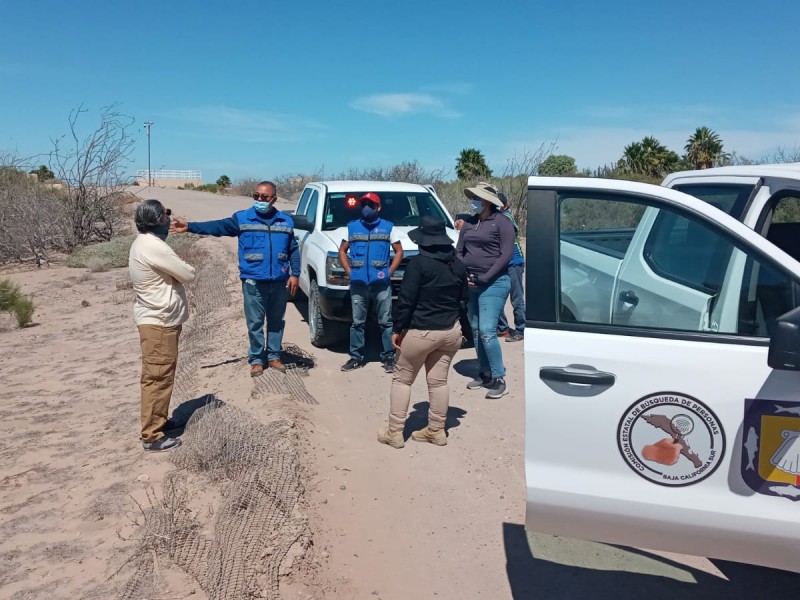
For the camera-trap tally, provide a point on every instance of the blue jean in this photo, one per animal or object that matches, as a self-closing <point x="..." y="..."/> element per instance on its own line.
<point x="484" y="306"/>
<point x="264" y="300"/>
<point x="516" y="273"/>
<point x="361" y="296"/>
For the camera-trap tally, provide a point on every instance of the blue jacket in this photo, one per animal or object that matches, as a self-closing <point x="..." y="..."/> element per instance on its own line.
<point x="370" y="244"/>
<point x="268" y="250"/>
<point x="518" y="258"/>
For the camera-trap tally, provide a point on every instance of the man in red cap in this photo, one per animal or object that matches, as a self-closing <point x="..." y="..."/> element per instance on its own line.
<point x="369" y="241"/>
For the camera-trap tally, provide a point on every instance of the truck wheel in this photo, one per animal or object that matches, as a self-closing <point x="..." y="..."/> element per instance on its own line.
<point x="320" y="328"/>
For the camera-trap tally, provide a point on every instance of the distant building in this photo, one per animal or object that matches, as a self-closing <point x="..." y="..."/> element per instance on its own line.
<point x="170" y="178"/>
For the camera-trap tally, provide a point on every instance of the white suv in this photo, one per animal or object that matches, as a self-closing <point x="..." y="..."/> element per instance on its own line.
<point x="320" y="221"/>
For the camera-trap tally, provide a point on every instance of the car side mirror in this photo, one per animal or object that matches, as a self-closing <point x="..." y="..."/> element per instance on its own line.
<point x="784" y="344"/>
<point x="302" y="222"/>
<point x="462" y="216"/>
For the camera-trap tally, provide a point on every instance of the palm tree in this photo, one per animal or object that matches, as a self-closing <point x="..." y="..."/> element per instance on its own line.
<point x="648" y="157"/>
<point x="704" y="149"/>
<point x="471" y="164"/>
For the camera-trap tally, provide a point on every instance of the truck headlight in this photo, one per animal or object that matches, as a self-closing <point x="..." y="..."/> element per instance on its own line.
<point x="334" y="272"/>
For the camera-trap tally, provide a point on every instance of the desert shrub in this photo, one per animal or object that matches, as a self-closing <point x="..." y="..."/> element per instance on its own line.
<point x="114" y="253"/>
<point x="23" y="310"/>
<point x="12" y="300"/>
<point x="246" y="186"/>
<point x="206" y="187"/>
<point x="9" y="292"/>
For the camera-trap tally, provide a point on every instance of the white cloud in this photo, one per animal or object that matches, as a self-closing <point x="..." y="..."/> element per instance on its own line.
<point x="248" y="125"/>
<point x="393" y="105"/>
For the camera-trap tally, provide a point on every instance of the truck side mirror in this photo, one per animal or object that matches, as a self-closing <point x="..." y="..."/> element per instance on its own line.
<point x="301" y="222"/>
<point x="784" y="344"/>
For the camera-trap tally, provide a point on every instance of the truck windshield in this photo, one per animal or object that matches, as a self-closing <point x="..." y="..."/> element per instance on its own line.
<point x="401" y="208"/>
<point x="730" y="198"/>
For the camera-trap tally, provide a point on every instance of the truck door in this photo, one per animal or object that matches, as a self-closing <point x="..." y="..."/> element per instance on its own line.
<point x="673" y="432"/>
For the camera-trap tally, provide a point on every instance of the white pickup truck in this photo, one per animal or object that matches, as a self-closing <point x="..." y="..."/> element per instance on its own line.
<point x="320" y="221"/>
<point x="662" y="362"/>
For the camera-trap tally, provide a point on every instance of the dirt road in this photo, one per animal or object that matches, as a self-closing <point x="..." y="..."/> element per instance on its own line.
<point x="421" y="522"/>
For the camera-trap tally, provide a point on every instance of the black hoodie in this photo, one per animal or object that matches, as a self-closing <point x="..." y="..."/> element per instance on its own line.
<point x="433" y="289"/>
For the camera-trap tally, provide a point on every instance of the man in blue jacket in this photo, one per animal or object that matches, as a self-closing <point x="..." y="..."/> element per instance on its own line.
<point x="516" y="270"/>
<point x="369" y="241"/>
<point x="269" y="266"/>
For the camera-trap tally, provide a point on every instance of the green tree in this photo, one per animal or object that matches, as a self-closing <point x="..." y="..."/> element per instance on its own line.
<point x="557" y="165"/>
<point x="704" y="149"/>
<point x="650" y="158"/>
<point x="43" y="173"/>
<point x="224" y="182"/>
<point x="471" y="164"/>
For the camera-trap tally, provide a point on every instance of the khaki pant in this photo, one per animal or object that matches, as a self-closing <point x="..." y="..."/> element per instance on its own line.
<point x="159" y="359"/>
<point x="434" y="350"/>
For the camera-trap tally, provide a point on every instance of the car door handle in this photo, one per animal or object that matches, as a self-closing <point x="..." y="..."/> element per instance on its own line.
<point x="572" y="375"/>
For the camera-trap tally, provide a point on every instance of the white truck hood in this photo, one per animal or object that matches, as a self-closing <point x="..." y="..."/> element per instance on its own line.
<point x="337" y="235"/>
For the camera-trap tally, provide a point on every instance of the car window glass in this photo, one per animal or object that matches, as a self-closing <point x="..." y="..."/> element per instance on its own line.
<point x="311" y="212"/>
<point x="784" y="228"/>
<point x="303" y="203"/>
<point x="401" y="208"/>
<point x="630" y="263"/>
<point x="729" y="198"/>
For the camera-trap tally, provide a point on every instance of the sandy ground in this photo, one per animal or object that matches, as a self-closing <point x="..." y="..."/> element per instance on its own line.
<point x="421" y="522"/>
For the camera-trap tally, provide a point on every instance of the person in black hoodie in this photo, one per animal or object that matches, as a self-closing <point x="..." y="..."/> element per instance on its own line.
<point x="427" y="331"/>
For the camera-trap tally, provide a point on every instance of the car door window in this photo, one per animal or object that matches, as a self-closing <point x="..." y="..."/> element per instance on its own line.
<point x="303" y="203"/>
<point x="784" y="223"/>
<point x="311" y="212"/>
<point x="629" y="263"/>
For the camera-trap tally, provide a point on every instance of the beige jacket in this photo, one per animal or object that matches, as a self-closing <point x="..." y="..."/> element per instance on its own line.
<point x="158" y="275"/>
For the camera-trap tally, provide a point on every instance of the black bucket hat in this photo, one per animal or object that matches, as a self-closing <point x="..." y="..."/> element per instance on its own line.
<point x="431" y="232"/>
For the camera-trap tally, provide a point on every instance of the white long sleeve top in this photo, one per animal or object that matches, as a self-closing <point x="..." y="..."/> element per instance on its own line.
<point x="158" y="276"/>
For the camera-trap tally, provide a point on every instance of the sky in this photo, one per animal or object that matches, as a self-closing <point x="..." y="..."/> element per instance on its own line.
<point x="265" y="89"/>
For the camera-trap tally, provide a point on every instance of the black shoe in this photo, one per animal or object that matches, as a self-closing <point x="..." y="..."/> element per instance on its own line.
<point x="353" y="364"/>
<point x="497" y="389"/>
<point x="388" y="365"/>
<point x="480" y="381"/>
<point x="164" y="443"/>
<point x="516" y="336"/>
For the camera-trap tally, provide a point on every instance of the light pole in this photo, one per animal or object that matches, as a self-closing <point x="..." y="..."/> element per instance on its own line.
<point x="149" y="124"/>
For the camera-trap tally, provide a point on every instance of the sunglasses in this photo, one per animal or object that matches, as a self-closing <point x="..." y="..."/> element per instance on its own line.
<point x="263" y="197"/>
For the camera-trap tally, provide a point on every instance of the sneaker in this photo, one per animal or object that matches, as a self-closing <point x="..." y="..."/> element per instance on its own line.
<point x="391" y="438"/>
<point x="353" y="364"/>
<point x="503" y="334"/>
<point x="437" y="437"/>
<point x="497" y="389"/>
<point x="516" y="336"/>
<point x="256" y="369"/>
<point x="388" y="365"/>
<point x="164" y="443"/>
<point x="480" y="381"/>
<point x="277" y="365"/>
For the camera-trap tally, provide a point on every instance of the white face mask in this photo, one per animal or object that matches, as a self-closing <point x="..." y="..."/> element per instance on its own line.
<point x="477" y="206"/>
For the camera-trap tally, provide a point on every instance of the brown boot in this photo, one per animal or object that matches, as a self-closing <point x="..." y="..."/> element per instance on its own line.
<point x="391" y="438"/>
<point x="256" y="370"/>
<point x="277" y="365"/>
<point x="436" y="437"/>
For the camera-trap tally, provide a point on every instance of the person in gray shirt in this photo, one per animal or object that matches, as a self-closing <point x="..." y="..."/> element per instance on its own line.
<point x="486" y="246"/>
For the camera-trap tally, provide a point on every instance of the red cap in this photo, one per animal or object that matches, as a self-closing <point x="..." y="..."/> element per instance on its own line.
<point x="371" y="197"/>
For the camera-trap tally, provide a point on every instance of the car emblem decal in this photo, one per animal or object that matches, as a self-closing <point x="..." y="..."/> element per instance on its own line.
<point x="671" y="439"/>
<point x="771" y="447"/>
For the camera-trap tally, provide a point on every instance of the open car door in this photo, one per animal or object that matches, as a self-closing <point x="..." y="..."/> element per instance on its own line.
<point x="652" y="416"/>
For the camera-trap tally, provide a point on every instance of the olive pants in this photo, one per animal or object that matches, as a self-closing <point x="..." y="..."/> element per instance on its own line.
<point x="159" y="360"/>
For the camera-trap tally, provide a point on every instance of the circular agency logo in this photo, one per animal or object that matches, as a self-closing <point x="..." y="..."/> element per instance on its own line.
<point x="671" y="439"/>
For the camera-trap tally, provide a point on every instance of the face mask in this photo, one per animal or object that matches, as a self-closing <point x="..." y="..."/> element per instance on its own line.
<point x="162" y="231"/>
<point x="262" y="207"/>
<point x="477" y="206"/>
<point x="368" y="213"/>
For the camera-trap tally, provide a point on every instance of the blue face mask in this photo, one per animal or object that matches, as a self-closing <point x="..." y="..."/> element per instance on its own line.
<point x="262" y="207"/>
<point x="477" y="206"/>
<point x="162" y="231"/>
<point x="369" y="213"/>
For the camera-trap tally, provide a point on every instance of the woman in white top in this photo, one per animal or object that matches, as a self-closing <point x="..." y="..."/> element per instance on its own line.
<point x="159" y="311"/>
